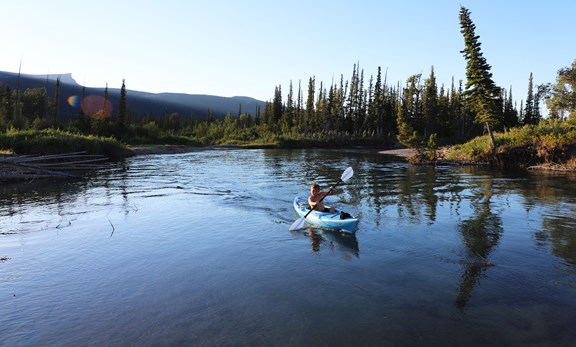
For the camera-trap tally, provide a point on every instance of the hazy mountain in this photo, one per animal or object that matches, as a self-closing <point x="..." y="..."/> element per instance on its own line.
<point x="139" y="103"/>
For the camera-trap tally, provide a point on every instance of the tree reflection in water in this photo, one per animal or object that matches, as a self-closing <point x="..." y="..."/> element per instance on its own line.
<point x="332" y="240"/>
<point x="481" y="234"/>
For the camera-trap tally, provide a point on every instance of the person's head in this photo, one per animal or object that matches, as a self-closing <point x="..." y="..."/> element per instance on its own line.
<point x="315" y="188"/>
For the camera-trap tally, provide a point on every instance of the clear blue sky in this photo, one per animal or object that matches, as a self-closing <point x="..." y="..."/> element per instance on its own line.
<point x="247" y="48"/>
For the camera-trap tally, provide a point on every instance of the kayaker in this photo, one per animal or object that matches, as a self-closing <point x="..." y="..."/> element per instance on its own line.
<point x="316" y="198"/>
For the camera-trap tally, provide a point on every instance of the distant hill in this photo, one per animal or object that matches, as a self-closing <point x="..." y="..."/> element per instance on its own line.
<point x="139" y="103"/>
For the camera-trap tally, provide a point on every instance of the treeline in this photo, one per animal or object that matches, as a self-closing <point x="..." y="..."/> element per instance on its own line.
<point x="359" y="110"/>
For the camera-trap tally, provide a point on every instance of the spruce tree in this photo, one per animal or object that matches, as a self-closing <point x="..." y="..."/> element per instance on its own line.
<point x="310" y="112"/>
<point x="542" y="91"/>
<point x="529" y="107"/>
<point x="123" y="110"/>
<point x="6" y="107"/>
<point x="276" y="109"/>
<point x="430" y="104"/>
<point x="370" y="118"/>
<point x="481" y="95"/>
<point x="57" y="102"/>
<point x="288" y="114"/>
<point x="378" y="103"/>
<point x="510" y="113"/>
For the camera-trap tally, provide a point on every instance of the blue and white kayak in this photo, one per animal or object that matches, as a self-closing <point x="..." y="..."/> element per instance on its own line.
<point x="325" y="219"/>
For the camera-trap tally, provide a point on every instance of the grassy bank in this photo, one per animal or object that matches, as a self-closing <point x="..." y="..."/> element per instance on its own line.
<point x="532" y="145"/>
<point x="51" y="141"/>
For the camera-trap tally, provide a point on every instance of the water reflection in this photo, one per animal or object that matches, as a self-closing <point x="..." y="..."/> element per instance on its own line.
<point x="481" y="234"/>
<point x="52" y="198"/>
<point x="156" y="231"/>
<point x="332" y="241"/>
<point x="561" y="235"/>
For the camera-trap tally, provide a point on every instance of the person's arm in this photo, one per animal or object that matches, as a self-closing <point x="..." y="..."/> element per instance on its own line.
<point x="311" y="203"/>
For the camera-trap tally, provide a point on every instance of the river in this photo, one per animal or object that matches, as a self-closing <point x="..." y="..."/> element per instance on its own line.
<point x="195" y="249"/>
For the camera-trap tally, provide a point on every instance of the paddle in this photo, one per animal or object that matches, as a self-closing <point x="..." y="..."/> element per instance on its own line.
<point x="300" y="221"/>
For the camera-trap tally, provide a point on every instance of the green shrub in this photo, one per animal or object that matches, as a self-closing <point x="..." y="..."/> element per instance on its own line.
<point x="50" y="141"/>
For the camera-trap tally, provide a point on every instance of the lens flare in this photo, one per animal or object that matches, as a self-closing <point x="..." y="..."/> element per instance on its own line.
<point x="96" y="107"/>
<point x="74" y="101"/>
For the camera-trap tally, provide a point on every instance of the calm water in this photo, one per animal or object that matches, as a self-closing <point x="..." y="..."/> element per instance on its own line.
<point x="194" y="249"/>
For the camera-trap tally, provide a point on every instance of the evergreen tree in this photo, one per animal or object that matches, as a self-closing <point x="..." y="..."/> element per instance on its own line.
<point x="321" y="115"/>
<point x="378" y="104"/>
<point x="277" y="106"/>
<point x="33" y="100"/>
<point x="268" y="116"/>
<point x="481" y="93"/>
<point x="331" y="108"/>
<point x="102" y="113"/>
<point x="338" y="108"/>
<point x="406" y="133"/>
<point x="455" y="110"/>
<point x="529" y="106"/>
<point x="288" y="114"/>
<point x="412" y="102"/>
<point x="310" y="106"/>
<point x="6" y="107"/>
<point x="361" y="111"/>
<point x="542" y="91"/>
<point x="299" y="116"/>
<point x="370" y="118"/>
<point x="391" y="103"/>
<point x="430" y="104"/>
<point x="353" y="102"/>
<point x="510" y="114"/>
<point x="123" y="110"/>
<point x="82" y="100"/>
<point x="443" y="127"/>
<point x="57" y="102"/>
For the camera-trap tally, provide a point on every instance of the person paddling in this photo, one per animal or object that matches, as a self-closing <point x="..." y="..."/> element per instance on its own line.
<point x="316" y="198"/>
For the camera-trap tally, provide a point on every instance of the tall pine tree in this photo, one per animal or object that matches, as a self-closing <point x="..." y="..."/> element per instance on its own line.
<point x="481" y="95"/>
<point x="123" y="110"/>
<point x="529" y="107"/>
<point x="430" y="104"/>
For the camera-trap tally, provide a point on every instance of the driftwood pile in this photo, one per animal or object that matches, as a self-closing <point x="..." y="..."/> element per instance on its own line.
<point x="56" y="166"/>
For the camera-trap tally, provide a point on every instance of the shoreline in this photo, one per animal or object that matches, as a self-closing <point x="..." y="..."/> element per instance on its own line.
<point x="163" y="149"/>
<point x="402" y="152"/>
<point x="175" y="149"/>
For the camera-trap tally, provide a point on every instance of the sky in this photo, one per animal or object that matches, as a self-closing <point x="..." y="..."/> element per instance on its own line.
<point x="250" y="47"/>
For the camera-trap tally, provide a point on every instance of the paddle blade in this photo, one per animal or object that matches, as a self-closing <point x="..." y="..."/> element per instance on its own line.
<point x="298" y="224"/>
<point x="348" y="173"/>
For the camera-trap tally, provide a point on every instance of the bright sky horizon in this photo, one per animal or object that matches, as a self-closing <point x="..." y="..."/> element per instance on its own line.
<point x="248" y="48"/>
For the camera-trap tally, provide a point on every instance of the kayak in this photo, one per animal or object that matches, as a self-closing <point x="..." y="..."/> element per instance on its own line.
<point x="325" y="219"/>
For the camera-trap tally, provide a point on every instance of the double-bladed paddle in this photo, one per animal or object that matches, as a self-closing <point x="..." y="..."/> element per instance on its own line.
<point x="299" y="223"/>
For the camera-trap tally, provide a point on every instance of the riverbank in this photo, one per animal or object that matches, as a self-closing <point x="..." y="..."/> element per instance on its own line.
<point x="163" y="149"/>
<point x="405" y="153"/>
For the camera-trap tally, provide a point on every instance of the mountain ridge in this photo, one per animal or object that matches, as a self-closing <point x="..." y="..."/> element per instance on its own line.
<point x="140" y="103"/>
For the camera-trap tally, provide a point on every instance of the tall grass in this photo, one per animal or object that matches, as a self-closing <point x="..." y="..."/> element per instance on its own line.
<point x="50" y="141"/>
<point x="548" y="136"/>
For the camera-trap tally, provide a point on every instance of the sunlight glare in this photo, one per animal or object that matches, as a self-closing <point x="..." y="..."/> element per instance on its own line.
<point x="97" y="107"/>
